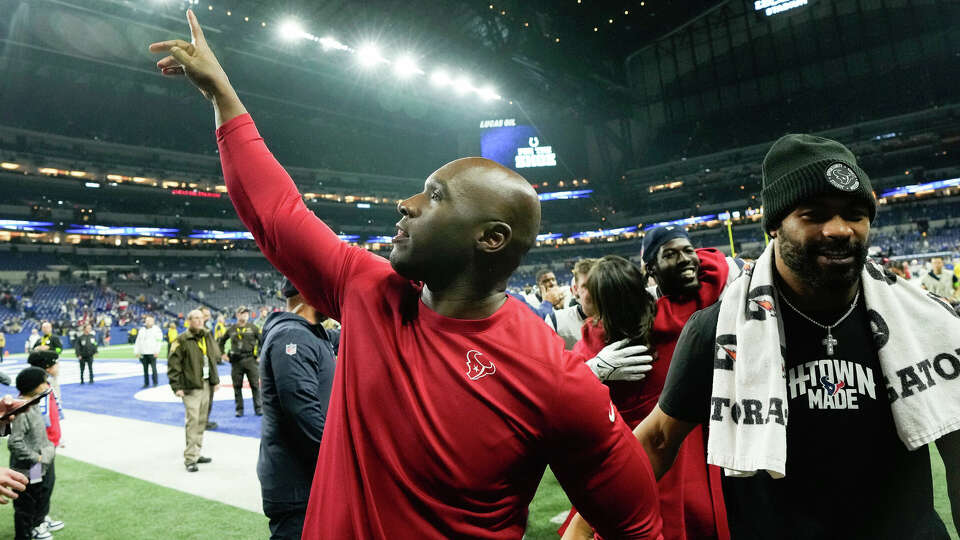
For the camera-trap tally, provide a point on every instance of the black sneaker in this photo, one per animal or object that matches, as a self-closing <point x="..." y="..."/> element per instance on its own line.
<point x="203" y="459"/>
<point x="239" y="414"/>
<point x="259" y="413"/>
<point x="192" y="467"/>
<point x="211" y="425"/>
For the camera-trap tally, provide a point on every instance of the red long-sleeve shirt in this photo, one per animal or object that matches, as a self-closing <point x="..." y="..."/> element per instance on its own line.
<point x="437" y="427"/>
<point x="691" y="500"/>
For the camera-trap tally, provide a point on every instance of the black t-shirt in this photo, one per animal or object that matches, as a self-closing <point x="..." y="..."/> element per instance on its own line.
<point x="848" y="475"/>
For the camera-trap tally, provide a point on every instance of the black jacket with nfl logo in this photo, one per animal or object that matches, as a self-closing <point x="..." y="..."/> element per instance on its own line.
<point x="297" y="362"/>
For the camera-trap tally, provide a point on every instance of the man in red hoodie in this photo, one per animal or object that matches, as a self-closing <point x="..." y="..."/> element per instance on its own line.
<point x="688" y="280"/>
<point x="449" y="398"/>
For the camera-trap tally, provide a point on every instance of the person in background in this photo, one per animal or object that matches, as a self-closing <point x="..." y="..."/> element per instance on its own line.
<point x="567" y="322"/>
<point x="85" y="348"/>
<point x="938" y="280"/>
<point x="3" y="344"/>
<point x="52" y="412"/>
<point x="147" y="347"/>
<point x="244" y="340"/>
<point x="207" y="318"/>
<point x="171" y="335"/>
<point x="192" y="370"/>
<point x="32" y="340"/>
<point x="49" y="343"/>
<point x="221" y="328"/>
<point x="208" y="325"/>
<point x="262" y="318"/>
<point x="296" y="375"/>
<point x="31" y="455"/>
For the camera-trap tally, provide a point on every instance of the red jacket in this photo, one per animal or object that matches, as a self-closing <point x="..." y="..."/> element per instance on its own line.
<point x="691" y="500"/>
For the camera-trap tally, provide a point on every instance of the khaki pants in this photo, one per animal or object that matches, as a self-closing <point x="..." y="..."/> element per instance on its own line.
<point x="196" y="402"/>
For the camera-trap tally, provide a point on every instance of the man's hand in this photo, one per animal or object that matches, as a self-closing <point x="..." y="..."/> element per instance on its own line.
<point x="197" y="61"/>
<point x="554" y="295"/>
<point x="179" y="393"/>
<point x="194" y="59"/>
<point x="10" y="482"/>
<point x="617" y="362"/>
<point x="43" y="348"/>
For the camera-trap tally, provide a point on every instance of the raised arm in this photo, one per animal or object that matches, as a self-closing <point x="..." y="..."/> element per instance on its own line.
<point x="292" y="238"/>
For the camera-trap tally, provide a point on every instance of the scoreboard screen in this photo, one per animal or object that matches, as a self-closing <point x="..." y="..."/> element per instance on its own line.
<point x="515" y="146"/>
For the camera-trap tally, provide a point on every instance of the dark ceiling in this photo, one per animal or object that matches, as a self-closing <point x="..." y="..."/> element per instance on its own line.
<point x="558" y="56"/>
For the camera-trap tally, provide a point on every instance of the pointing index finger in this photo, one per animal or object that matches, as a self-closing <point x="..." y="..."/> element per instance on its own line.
<point x="196" y="33"/>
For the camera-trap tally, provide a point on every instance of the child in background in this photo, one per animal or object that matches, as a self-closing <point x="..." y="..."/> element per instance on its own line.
<point x="52" y="412"/>
<point x="32" y="454"/>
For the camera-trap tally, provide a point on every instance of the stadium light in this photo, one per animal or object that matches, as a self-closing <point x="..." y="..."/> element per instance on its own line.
<point x="462" y="85"/>
<point x="369" y="55"/>
<point x="330" y="43"/>
<point x="291" y="30"/>
<point x="405" y="67"/>
<point x="488" y="93"/>
<point x="440" y="78"/>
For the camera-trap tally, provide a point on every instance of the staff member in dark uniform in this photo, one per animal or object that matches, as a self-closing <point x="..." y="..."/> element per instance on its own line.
<point x="86" y="348"/>
<point x="244" y="338"/>
<point x="297" y="376"/>
<point x="48" y="340"/>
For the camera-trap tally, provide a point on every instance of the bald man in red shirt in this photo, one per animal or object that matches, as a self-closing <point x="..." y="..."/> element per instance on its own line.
<point x="449" y="398"/>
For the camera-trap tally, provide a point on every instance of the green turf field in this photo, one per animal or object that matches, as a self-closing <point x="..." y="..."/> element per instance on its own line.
<point x="99" y="504"/>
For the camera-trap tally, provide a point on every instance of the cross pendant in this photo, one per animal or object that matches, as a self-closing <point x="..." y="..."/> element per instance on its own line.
<point x="830" y="343"/>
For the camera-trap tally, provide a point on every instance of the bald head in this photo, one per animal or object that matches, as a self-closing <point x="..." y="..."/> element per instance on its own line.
<point x="195" y="320"/>
<point x="498" y="194"/>
<point x="473" y="222"/>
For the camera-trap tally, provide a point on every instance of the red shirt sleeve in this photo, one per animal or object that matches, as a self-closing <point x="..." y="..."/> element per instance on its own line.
<point x="598" y="461"/>
<point x="294" y="240"/>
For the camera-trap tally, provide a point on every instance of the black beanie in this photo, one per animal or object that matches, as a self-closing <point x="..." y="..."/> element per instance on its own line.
<point x="42" y="359"/>
<point x="657" y="237"/>
<point x="799" y="167"/>
<point x="29" y="379"/>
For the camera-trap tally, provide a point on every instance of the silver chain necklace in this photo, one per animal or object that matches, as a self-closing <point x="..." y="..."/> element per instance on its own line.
<point x="829" y="342"/>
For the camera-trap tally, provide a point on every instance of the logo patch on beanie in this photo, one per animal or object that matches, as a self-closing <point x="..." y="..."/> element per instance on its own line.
<point x="842" y="177"/>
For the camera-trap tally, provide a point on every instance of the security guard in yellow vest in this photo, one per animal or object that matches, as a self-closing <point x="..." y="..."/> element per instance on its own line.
<point x="244" y="338"/>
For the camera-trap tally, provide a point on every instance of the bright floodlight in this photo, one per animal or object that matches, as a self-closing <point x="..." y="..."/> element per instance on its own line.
<point x="331" y="43"/>
<point x="462" y="85"/>
<point x="440" y="78"/>
<point x="369" y="55"/>
<point x="487" y="93"/>
<point x="405" y="67"/>
<point x="291" y="30"/>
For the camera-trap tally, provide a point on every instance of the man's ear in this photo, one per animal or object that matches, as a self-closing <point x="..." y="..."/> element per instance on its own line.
<point x="494" y="237"/>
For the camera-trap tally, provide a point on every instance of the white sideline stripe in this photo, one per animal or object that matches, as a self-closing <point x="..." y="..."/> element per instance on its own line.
<point x="154" y="452"/>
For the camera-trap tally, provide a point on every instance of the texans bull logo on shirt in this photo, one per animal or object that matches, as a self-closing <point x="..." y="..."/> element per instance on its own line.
<point x="831" y="383"/>
<point x="477" y="368"/>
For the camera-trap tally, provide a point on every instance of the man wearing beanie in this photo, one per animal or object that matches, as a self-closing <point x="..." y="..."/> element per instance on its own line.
<point x="830" y="458"/>
<point x="296" y="372"/>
